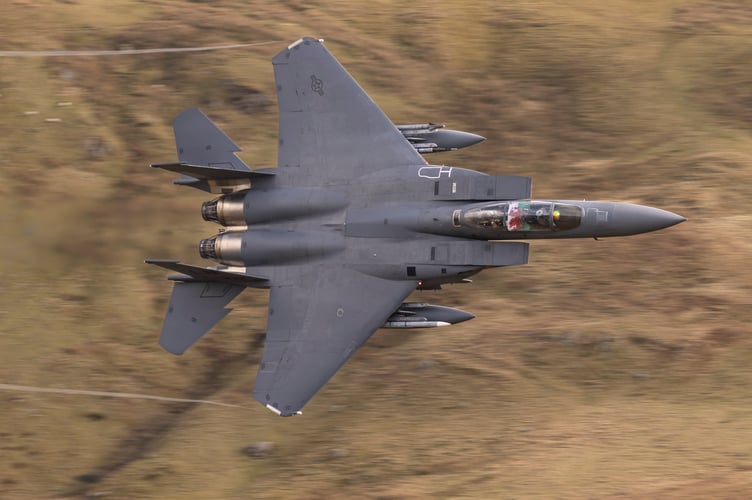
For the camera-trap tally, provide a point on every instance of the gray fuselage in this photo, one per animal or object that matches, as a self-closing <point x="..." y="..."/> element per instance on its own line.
<point x="429" y="236"/>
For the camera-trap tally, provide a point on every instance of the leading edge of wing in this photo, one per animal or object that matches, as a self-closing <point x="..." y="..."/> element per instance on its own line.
<point x="315" y="326"/>
<point x="327" y="123"/>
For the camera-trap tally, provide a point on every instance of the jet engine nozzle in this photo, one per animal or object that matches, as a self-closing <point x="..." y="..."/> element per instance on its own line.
<point x="225" y="210"/>
<point x="225" y="248"/>
<point x="207" y="248"/>
<point x="209" y="211"/>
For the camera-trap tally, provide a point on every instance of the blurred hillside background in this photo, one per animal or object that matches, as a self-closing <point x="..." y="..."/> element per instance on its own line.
<point x="604" y="369"/>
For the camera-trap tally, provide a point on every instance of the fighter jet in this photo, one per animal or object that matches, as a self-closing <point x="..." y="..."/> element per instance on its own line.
<point x="350" y="222"/>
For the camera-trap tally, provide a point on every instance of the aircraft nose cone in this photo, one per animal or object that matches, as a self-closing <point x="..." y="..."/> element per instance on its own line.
<point x="634" y="219"/>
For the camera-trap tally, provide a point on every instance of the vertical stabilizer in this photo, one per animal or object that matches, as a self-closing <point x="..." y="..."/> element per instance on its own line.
<point x="194" y="308"/>
<point x="200" y="142"/>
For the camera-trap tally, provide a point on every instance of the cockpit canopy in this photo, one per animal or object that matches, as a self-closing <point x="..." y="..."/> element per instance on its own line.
<point x="524" y="216"/>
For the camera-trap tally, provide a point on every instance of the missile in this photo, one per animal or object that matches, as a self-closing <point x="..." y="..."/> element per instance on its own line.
<point x="420" y="315"/>
<point x="420" y="127"/>
<point x="434" y="138"/>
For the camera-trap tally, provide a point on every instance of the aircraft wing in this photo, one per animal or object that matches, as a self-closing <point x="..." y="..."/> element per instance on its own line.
<point x="315" y="325"/>
<point x="330" y="130"/>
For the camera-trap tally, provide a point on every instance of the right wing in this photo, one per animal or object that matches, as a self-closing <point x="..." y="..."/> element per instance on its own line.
<point x="330" y="131"/>
<point x="315" y="325"/>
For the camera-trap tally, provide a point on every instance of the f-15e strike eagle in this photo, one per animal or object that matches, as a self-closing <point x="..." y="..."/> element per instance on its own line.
<point x="351" y="221"/>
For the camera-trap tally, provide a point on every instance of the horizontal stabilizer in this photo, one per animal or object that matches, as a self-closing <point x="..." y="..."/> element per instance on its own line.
<point x="194" y="309"/>
<point x="206" y="274"/>
<point x="211" y="173"/>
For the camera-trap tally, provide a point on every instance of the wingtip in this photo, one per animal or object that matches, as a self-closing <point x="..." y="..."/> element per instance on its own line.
<point x="274" y="410"/>
<point x="278" y="412"/>
<point x="305" y="40"/>
<point x="161" y="261"/>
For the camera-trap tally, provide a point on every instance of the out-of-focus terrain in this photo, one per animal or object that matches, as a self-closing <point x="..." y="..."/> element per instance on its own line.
<point x="615" y="368"/>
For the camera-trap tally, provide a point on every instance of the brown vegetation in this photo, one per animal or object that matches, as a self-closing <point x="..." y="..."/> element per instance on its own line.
<point x="617" y="368"/>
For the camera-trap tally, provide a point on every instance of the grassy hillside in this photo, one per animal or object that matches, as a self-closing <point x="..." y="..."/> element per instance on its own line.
<point x="617" y="368"/>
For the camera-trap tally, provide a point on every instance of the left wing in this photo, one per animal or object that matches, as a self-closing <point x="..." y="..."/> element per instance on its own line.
<point x="315" y="325"/>
<point x="330" y="130"/>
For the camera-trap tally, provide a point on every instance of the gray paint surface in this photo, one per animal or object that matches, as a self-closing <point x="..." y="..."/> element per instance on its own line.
<point x="350" y="222"/>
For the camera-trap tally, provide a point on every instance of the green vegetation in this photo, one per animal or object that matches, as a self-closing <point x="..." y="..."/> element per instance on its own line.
<point x="611" y="368"/>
